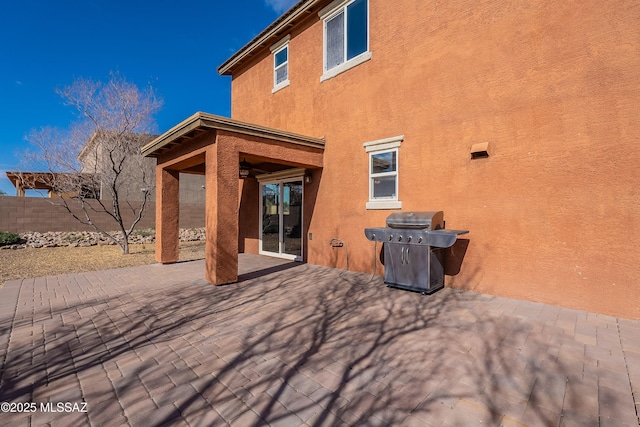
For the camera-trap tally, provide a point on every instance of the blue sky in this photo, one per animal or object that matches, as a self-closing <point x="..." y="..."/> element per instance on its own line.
<point x="175" y="46"/>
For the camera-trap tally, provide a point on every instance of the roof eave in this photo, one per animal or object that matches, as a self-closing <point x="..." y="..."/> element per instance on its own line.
<point x="172" y="134"/>
<point x="204" y="121"/>
<point x="261" y="40"/>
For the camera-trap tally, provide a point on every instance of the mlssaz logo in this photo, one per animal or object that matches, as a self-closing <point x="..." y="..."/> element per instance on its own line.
<point x="63" y="407"/>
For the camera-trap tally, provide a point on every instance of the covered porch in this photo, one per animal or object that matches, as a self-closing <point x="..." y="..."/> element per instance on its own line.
<point x="217" y="147"/>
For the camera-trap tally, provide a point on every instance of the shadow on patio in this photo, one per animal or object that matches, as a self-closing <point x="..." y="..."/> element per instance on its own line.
<point x="303" y="344"/>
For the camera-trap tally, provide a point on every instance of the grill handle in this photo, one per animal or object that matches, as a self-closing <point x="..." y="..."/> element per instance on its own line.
<point x="404" y="258"/>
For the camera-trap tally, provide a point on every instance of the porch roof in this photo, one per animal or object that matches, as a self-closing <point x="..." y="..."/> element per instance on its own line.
<point x="203" y="122"/>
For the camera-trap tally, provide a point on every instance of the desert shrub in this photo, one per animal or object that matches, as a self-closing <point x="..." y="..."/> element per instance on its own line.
<point x="72" y="238"/>
<point x="8" y="238"/>
<point x="145" y="233"/>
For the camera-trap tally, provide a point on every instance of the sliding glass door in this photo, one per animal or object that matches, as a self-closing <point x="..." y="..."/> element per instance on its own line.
<point x="281" y="220"/>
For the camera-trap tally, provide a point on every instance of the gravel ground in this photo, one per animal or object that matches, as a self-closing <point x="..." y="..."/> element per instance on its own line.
<point x="32" y="262"/>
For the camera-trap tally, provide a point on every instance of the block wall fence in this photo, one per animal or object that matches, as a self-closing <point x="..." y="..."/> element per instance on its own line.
<point x="33" y="214"/>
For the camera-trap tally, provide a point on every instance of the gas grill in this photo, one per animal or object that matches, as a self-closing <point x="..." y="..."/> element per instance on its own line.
<point x="413" y="249"/>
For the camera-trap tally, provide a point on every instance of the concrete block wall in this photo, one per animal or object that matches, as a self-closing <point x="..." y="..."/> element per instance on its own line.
<point x="27" y="214"/>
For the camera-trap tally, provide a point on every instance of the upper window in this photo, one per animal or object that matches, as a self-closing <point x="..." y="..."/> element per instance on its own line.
<point x="280" y="64"/>
<point x="346" y="35"/>
<point x="383" y="173"/>
<point x="281" y="60"/>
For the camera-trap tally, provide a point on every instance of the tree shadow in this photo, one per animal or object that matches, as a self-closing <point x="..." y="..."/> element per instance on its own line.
<point x="299" y="344"/>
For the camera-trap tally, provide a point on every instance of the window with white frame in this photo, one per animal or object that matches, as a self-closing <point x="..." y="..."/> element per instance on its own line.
<point x="280" y="64"/>
<point x="383" y="173"/>
<point x="346" y="35"/>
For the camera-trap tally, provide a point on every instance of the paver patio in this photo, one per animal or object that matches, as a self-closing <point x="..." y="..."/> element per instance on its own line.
<point x="295" y="344"/>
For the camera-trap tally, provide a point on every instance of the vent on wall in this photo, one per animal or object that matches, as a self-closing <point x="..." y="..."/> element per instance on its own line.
<point x="479" y="150"/>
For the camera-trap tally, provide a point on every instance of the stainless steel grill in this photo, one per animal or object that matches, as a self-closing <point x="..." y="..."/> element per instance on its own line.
<point x="413" y="249"/>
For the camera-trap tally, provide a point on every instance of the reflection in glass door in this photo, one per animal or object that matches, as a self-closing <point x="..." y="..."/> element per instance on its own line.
<point x="292" y="218"/>
<point x="282" y="219"/>
<point x="271" y="218"/>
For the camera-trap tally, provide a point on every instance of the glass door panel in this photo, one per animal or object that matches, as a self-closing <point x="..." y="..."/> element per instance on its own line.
<point x="282" y="218"/>
<point x="292" y="218"/>
<point x="271" y="218"/>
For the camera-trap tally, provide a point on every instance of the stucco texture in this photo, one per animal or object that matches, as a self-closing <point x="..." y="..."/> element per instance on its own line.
<point x="553" y="87"/>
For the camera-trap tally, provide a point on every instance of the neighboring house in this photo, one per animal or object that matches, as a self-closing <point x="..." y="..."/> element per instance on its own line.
<point x="108" y="150"/>
<point x="91" y="181"/>
<point x="517" y="119"/>
<point x="137" y="176"/>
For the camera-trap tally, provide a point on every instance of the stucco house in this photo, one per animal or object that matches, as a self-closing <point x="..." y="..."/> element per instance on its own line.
<point x="517" y="119"/>
<point x="93" y="164"/>
<point x="86" y="186"/>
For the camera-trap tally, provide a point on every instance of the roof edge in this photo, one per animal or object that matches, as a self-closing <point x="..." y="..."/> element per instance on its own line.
<point x="257" y="42"/>
<point x="173" y="133"/>
<point x="202" y="120"/>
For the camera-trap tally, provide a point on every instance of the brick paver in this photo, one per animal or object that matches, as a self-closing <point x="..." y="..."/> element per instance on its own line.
<point x="295" y="344"/>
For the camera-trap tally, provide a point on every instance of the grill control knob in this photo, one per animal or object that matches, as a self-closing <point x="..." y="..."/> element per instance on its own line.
<point x="399" y="238"/>
<point x="419" y="239"/>
<point x="373" y="236"/>
<point x="390" y="237"/>
<point x="409" y="239"/>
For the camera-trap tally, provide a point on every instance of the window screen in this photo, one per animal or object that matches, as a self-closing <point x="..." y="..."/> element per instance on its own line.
<point x="346" y="34"/>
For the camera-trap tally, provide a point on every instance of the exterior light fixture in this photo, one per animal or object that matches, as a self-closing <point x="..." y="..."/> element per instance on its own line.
<point x="244" y="168"/>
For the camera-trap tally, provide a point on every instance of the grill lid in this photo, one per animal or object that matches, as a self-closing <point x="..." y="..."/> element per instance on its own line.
<point x="427" y="220"/>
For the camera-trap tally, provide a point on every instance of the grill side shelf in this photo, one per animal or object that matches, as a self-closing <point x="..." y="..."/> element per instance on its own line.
<point x="444" y="238"/>
<point x="375" y="234"/>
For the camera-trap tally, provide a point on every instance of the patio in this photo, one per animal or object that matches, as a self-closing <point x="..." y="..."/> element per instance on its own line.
<point x="295" y="344"/>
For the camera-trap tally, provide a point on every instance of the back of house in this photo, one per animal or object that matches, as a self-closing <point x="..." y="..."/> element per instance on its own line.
<point x="516" y="119"/>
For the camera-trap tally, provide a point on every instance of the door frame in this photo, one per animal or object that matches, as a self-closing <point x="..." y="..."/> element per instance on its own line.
<point x="281" y="177"/>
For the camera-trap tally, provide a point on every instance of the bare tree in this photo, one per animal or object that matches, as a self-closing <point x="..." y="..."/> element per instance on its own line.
<point x="95" y="167"/>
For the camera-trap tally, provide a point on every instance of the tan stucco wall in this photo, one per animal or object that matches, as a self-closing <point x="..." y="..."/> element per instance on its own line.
<point x="249" y="214"/>
<point x="553" y="87"/>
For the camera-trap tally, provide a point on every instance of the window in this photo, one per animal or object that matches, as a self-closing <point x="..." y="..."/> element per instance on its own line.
<point x="383" y="173"/>
<point x="281" y="61"/>
<point x="280" y="64"/>
<point x="346" y="36"/>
